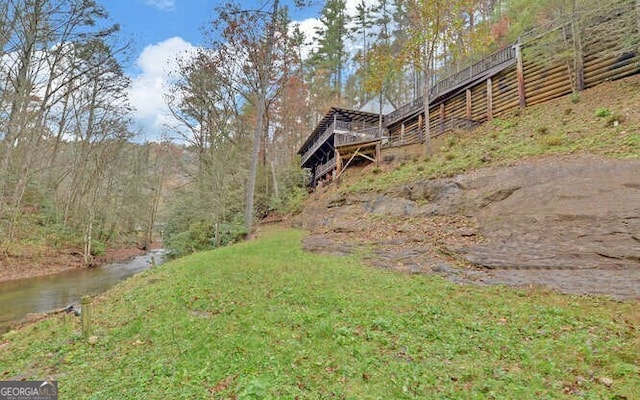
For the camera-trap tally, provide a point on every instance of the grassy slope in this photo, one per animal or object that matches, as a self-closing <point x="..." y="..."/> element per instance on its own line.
<point x="263" y="319"/>
<point x="568" y="125"/>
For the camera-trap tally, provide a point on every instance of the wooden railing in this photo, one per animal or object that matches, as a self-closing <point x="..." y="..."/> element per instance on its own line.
<point x="346" y="133"/>
<point x="341" y="126"/>
<point x="368" y="134"/>
<point x="504" y="57"/>
<point x="323" y="169"/>
<point x="317" y="144"/>
<point x="404" y="111"/>
<point x="498" y="60"/>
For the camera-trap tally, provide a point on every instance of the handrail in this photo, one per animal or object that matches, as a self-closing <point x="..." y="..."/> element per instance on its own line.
<point x="324" y="168"/>
<point x="346" y="133"/>
<point x="467" y="75"/>
<point x="317" y="144"/>
<point x="404" y="111"/>
<point x="342" y="126"/>
<point x="474" y="70"/>
<point x="368" y="134"/>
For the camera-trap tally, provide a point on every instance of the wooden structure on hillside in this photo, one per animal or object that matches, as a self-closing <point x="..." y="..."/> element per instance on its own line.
<point x="566" y="58"/>
<point x="341" y="137"/>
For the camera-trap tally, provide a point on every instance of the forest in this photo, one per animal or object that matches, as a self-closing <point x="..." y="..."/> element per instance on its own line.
<point x="75" y="175"/>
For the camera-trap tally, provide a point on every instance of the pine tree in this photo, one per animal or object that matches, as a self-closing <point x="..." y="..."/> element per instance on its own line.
<point x="330" y="58"/>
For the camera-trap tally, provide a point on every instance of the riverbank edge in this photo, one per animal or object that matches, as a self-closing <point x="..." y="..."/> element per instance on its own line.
<point x="14" y="268"/>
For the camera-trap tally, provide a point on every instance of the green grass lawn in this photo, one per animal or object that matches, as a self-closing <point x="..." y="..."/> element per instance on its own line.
<point x="264" y="320"/>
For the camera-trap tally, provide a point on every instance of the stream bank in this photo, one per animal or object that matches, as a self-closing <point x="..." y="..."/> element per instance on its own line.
<point x="46" y="261"/>
<point x="30" y="299"/>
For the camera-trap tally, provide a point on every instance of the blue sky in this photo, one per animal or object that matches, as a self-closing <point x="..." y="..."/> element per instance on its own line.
<point x="148" y="22"/>
<point x="160" y="31"/>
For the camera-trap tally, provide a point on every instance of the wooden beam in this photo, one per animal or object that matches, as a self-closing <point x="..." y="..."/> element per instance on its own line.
<point x="489" y="99"/>
<point x="340" y="171"/>
<point x="520" y="73"/>
<point x="443" y="116"/>
<point x="578" y="56"/>
<point x="468" y="99"/>
<point x="338" y="165"/>
<point x="365" y="155"/>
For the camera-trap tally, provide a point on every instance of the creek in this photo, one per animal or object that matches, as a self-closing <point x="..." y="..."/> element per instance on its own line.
<point x="43" y="294"/>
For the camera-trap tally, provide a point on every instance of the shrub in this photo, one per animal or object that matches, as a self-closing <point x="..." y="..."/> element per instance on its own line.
<point x="203" y="235"/>
<point x="603" y="112"/>
<point x="98" y="248"/>
<point x="293" y="203"/>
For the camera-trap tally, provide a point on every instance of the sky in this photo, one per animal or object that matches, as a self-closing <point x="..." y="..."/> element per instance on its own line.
<point x="162" y="30"/>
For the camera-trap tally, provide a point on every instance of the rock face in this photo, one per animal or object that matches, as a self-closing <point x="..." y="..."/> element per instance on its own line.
<point x="523" y="224"/>
<point x="565" y="214"/>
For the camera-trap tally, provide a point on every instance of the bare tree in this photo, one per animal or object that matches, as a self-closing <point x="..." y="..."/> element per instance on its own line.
<point x="431" y="24"/>
<point x="40" y="69"/>
<point x="254" y="51"/>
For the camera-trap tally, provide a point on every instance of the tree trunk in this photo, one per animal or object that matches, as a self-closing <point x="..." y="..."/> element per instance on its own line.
<point x="274" y="177"/>
<point x="88" y="239"/>
<point x="262" y="105"/>
<point x="426" y="104"/>
<point x="153" y="209"/>
<point x="578" y="66"/>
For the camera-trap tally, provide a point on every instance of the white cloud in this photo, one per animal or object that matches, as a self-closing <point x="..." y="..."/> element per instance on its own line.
<point x="149" y="86"/>
<point x="165" y="5"/>
<point x="309" y="26"/>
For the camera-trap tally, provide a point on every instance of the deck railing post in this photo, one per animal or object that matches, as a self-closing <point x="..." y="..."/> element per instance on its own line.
<point x="489" y="99"/>
<point x="520" y="71"/>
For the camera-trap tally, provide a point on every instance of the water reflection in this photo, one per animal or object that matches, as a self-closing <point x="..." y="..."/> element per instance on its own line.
<point x="46" y="293"/>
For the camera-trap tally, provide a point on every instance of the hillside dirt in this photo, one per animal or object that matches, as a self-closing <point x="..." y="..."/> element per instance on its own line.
<point x="570" y="223"/>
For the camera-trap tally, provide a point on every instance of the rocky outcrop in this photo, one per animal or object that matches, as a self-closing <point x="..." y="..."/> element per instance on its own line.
<point x="573" y="213"/>
<point x="579" y="214"/>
